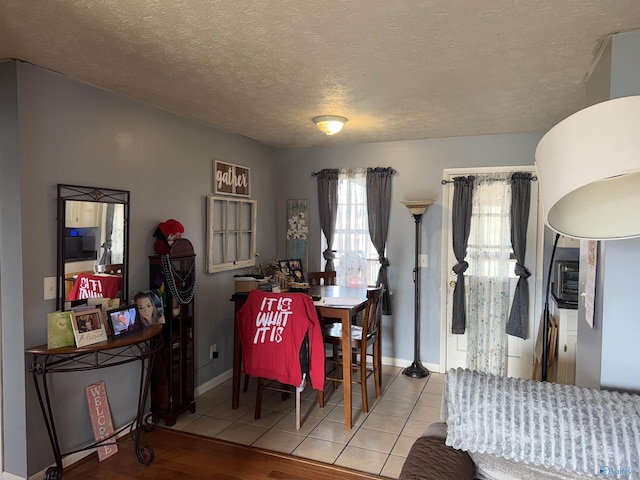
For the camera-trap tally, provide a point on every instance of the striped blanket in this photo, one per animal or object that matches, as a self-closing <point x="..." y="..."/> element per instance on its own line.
<point x="562" y="426"/>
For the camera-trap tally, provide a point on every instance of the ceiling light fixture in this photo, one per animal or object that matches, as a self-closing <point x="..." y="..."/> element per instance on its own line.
<point x="329" y="124"/>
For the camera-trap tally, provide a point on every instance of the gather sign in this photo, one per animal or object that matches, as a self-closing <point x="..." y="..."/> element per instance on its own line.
<point x="230" y="179"/>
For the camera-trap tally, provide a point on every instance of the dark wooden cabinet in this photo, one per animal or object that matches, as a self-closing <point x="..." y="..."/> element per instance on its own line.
<point x="172" y="378"/>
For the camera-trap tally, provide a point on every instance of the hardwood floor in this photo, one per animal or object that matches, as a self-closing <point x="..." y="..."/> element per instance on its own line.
<point x="180" y="455"/>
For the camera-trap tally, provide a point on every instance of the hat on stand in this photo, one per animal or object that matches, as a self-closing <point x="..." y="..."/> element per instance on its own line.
<point x="166" y="233"/>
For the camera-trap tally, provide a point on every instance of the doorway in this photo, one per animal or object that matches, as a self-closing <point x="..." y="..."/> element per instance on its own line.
<point x="519" y="352"/>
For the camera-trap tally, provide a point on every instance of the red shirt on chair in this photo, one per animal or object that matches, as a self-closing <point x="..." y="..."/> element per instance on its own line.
<point x="87" y="285"/>
<point x="272" y="327"/>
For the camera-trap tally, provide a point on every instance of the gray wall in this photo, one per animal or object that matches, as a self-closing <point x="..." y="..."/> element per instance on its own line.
<point x="625" y="64"/>
<point x="620" y="261"/>
<point x="606" y="351"/>
<point x="73" y="133"/>
<point x="11" y="278"/>
<point x="589" y="343"/>
<point x="419" y="164"/>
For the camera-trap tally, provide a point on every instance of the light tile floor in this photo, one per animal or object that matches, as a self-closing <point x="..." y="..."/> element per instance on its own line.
<point x="378" y="443"/>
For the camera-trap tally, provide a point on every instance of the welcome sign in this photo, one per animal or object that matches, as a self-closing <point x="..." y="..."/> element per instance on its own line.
<point x="230" y="179"/>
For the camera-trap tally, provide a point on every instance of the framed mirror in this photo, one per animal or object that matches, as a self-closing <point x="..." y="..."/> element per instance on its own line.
<point x="93" y="238"/>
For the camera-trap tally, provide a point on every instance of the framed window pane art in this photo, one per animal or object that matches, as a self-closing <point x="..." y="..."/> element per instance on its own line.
<point x="231" y="233"/>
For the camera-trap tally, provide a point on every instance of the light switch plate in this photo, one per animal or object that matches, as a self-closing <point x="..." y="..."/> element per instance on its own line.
<point x="49" y="288"/>
<point x="423" y="260"/>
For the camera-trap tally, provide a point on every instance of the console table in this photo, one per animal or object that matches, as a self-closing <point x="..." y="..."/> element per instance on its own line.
<point x="136" y="347"/>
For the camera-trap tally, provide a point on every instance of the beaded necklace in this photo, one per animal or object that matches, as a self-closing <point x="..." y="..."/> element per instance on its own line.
<point x="184" y="294"/>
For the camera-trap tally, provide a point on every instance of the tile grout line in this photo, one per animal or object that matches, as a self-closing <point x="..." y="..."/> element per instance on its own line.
<point x="394" y="381"/>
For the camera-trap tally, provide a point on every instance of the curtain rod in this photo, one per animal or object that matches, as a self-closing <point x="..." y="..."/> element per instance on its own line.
<point x="393" y="170"/>
<point x="444" y="182"/>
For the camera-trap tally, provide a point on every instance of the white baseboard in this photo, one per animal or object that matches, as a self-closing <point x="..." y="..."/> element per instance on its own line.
<point x="10" y="476"/>
<point x="66" y="461"/>
<point x="214" y="382"/>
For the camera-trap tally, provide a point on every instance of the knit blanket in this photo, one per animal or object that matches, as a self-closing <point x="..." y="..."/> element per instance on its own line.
<point x="548" y="424"/>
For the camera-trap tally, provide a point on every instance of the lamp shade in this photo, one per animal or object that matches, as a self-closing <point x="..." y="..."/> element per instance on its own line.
<point x="417" y="207"/>
<point x="329" y="124"/>
<point x="588" y="168"/>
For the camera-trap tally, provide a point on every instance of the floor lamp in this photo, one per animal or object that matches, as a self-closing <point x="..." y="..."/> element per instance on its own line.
<point x="545" y="316"/>
<point x="589" y="176"/>
<point x="416" y="369"/>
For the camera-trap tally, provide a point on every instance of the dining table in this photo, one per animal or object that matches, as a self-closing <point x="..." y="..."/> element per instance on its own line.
<point x="336" y="303"/>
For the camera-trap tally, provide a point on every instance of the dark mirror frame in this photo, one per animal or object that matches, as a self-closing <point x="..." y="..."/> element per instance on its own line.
<point x="89" y="194"/>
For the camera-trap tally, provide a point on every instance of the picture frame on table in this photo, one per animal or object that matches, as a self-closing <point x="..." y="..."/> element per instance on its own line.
<point x="292" y="268"/>
<point x="60" y="330"/>
<point x="88" y="327"/>
<point x="124" y="320"/>
<point x="284" y="267"/>
<point x="104" y="304"/>
<point x="150" y="307"/>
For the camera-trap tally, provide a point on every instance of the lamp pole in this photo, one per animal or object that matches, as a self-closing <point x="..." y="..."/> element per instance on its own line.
<point x="416" y="369"/>
<point x="545" y="316"/>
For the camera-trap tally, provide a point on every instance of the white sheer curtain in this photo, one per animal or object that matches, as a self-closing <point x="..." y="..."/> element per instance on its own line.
<point x="352" y="241"/>
<point x="488" y="274"/>
<point x="117" y="236"/>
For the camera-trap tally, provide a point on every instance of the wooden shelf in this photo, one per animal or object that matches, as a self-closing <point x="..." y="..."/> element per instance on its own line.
<point x="172" y="382"/>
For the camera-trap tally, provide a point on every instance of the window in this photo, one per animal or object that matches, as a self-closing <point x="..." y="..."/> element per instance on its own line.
<point x="356" y="260"/>
<point x="492" y="217"/>
<point x="231" y="234"/>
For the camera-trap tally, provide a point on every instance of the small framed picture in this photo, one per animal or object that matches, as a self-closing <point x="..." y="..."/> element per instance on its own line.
<point x="87" y="327"/>
<point x="150" y="308"/>
<point x="124" y="320"/>
<point x="284" y="267"/>
<point x="293" y="270"/>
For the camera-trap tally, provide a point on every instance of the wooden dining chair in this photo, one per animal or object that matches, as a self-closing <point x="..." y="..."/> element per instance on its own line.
<point x="281" y="344"/>
<point x="321" y="278"/>
<point x="284" y="389"/>
<point x="365" y="342"/>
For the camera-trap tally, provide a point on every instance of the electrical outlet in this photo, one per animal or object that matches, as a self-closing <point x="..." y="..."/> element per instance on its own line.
<point x="213" y="351"/>
<point x="49" y="288"/>
<point x="423" y="260"/>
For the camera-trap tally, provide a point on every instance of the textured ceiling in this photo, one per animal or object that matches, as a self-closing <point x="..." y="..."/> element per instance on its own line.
<point x="398" y="70"/>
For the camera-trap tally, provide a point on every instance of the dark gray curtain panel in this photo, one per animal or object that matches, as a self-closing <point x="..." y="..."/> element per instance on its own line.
<point x="460" y="224"/>
<point x="378" y="211"/>
<point x="517" y="325"/>
<point x="328" y="207"/>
